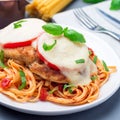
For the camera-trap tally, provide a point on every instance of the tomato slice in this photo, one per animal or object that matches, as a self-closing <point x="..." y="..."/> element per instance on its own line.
<point x="43" y="94"/>
<point x="5" y="83"/>
<point x="47" y="62"/>
<point x="91" y="51"/>
<point x="19" y="44"/>
<point x="30" y="29"/>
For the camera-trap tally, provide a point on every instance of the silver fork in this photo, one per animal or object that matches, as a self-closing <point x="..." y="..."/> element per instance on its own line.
<point x="92" y="25"/>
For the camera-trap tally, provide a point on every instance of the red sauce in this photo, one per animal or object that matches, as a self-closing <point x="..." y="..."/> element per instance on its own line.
<point x="11" y="10"/>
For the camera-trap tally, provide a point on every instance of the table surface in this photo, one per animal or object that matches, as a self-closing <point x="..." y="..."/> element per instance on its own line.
<point x="109" y="110"/>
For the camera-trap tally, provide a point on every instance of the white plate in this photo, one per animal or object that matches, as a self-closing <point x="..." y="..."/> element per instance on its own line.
<point x="104" y="52"/>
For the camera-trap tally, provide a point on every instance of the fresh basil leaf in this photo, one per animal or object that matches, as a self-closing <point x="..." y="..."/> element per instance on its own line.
<point x="80" y="61"/>
<point x="47" y="47"/>
<point x="115" y="5"/>
<point x="1" y="55"/>
<point x="23" y="80"/>
<point x="74" y="36"/>
<point x="68" y="86"/>
<point x="2" y="64"/>
<point x="2" y="59"/>
<point x="94" y="77"/>
<point x="70" y="90"/>
<point x="18" y="24"/>
<point x="92" y="1"/>
<point x="52" y="91"/>
<point x="53" y="29"/>
<point x="95" y="59"/>
<point x="105" y="66"/>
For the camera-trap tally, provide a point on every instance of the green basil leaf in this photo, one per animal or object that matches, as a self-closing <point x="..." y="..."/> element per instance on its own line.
<point x="70" y="90"/>
<point x="95" y="59"/>
<point x="1" y="55"/>
<point x="18" y="24"/>
<point x="2" y="64"/>
<point x="80" y="61"/>
<point x="74" y="36"/>
<point x="47" y="47"/>
<point x="23" y="80"/>
<point x="92" y="1"/>
<point x="2" y="59"/>
<point x="68" y="86"/>
<point x="52" y="91"/>
<point x="105" y="66"/>
<point x="115" y="5"/>
<point x="94" y="77"/>
<point x="53" y="29"/>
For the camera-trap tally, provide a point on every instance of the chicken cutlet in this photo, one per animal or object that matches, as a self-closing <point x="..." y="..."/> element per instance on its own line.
<point x="28" y="56"/>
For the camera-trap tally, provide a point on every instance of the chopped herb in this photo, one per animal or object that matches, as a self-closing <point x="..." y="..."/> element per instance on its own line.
<point x="1" y="55"/>
<point x="94" y="77"/>
<point x="2" y="59"/>
<point x="80" y="61"/>
<point x="90" y="52"/>
<point x="18" y="24"/>
<point x="52" y="91"/>
<point x="47" y="47"/>
<point x="74" y="36"/>
<point x="53" y="29"/>
<point x="95" y="59"/>
<point x="2" y="64"/>
<point x="67" y="86"/>
<point x="23" y="80"/>
<point x="70" y="90"/>
<point x="105" y="66"/>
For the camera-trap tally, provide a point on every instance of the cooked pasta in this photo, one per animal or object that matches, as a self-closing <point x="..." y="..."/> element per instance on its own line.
<point x="39" y="89"/>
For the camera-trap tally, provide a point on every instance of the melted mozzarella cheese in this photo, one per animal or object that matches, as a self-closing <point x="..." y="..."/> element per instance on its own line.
<point x="64" y="54"/>
<point x="31" y="28"/>
<point x="81" y="76"/>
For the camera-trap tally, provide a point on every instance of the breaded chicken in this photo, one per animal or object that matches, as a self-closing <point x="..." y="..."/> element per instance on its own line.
<point x="25" y="55"/>
<point x="47" y="73"/>
<point x="28" y="56"/>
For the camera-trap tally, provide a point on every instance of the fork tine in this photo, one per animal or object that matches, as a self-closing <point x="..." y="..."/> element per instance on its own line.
<point x="84" y="18"/>
<point x="88" y="18"/>
<point x="76" y="13"/>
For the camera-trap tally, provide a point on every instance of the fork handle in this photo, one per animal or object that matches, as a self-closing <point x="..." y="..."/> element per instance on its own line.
<point x="112" y="34"/>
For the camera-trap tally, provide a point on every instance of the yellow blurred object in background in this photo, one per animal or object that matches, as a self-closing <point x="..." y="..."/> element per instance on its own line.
<point x="45" y="9"/>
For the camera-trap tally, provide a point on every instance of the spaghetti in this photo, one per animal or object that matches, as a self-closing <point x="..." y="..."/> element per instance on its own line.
<point x="39" y="89"/>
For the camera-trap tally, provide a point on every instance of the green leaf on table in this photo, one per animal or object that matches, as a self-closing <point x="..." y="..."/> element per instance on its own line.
<point x="115" y="5"/>
<point x="92" y="1"/>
